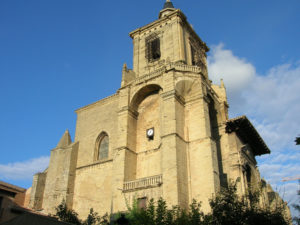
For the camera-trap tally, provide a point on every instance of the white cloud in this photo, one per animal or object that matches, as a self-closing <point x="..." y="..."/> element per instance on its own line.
<point x="23" y="170"/>
<point x="236" y="72"/>
<point x="272" y="102"/>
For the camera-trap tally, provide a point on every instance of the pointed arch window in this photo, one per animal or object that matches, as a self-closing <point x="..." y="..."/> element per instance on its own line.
<point x="102" y="146"/>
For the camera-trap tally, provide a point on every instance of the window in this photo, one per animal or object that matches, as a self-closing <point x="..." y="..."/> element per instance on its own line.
<point x="152" y="48"/>
<point x="193" y="53"/>
<point x="102" y="146"/>
<point x="142" y="203"/>
<point x="248" y="176"/>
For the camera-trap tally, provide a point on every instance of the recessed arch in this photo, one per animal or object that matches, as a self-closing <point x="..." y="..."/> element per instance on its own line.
<point x="142" y="93"/>
<point x="187" y="88"/>
<point x="102" y="146"/>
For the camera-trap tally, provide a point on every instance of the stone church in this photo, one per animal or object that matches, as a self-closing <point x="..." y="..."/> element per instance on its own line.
<point x="164" y="133"/>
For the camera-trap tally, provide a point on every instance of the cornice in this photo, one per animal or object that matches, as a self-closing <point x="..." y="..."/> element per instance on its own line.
<point x="99" y="102"/>
<point x="177" y="12"/>
<point x="94" y="164"/>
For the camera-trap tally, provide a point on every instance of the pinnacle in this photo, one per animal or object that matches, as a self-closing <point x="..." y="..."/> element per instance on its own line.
<point x="65" y="140"/>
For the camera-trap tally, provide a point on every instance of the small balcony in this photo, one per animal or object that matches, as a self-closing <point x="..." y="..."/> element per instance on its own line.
<point x="147" y="182"/>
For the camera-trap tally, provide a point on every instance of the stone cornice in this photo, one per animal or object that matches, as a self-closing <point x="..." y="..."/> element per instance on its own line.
<point x="166" y="18"/>
<point x="99" y="102"/>
<point x="158" y="22"/>
<point x="94" y="164"/>
<point x="172" y="134"/>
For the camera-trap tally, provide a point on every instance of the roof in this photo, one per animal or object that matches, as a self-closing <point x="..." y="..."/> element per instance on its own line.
<point x="248" y="134"/>
<point x="10" y="187"/>
<point x="168" y="4"/>
<point x="28" y="218"/>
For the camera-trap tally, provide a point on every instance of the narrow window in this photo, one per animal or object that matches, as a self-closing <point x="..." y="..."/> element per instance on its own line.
<point x="193" y="53"/>
<point x="153" y="49"/>
<point x="103" y="147"/>
<point x="248" y="177"/>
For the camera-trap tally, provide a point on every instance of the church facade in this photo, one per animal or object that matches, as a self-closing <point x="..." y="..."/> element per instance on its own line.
<point x="164" y="133"/>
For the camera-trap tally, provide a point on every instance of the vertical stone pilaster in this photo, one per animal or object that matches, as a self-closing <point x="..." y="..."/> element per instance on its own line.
<point x="37" y="191"/>
<point x="123" y="158"/>
<point x="204" y="172"/>
<point x="169" y="154"/>
<point x="174" y="160"/>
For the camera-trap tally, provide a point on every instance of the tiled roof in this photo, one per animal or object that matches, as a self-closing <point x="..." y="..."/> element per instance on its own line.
<point x="248" y="134"/>
<point x="28" y="218"/>
<point x="11" y="187"/>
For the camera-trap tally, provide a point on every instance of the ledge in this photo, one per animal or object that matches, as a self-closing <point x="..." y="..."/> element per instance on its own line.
<point x="95" y="163"/>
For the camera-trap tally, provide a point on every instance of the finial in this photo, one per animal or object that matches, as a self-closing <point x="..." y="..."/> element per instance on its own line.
<point x="168" y="5"/>
<point x="222" y="83"/>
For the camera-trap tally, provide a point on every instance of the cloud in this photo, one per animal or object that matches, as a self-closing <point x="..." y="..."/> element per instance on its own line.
<point x="272" y="102"/>
<point x="23" y="170"/>
<point x="236" y="72"/>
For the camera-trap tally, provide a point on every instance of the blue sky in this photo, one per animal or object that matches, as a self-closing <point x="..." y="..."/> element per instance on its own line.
<point x="56" y="56"/>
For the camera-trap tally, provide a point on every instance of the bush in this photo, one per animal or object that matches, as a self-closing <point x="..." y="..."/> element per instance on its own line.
<point x="227" y="208"/>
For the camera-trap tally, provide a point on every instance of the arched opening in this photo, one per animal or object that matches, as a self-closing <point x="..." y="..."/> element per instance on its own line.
<point x="144" y="130"/>
<point x="102" y="147"/>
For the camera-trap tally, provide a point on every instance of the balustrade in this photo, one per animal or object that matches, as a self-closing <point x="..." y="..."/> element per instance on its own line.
<point x="143" y="183"/>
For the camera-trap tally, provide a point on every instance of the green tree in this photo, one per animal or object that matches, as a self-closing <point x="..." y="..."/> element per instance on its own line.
<point x="66" y="215"/>
<point x="297" y="208"/>
<point x="297" y="140"/>
<point x="92" y="219"/>
<point x="230" y="209"/>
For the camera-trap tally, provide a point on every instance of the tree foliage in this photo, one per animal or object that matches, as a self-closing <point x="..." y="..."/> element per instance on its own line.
<point x="297" y="140"/>
<point x="297" y="208"/>
<point x="66" y="215"/>
<point x="70" y="216"/>
<point x="227" y="208"/>
<point x="230" y="209"/>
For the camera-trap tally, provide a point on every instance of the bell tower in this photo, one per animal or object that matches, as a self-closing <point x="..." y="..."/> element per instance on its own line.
<point x="168" y="39"/>
<point x="169" y="116"/>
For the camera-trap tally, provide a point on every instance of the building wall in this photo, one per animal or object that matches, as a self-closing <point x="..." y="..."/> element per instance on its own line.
<point x="92" y="120"/>
<point x="59" y="184"/>
<point x="191" y="155"/>
<point x="93" y="189"/>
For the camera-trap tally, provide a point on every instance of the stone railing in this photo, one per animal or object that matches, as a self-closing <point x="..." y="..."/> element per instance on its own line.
<point x="146" y="182"/>
<point x="168" y="66"/>
<point x="184" y="67"/>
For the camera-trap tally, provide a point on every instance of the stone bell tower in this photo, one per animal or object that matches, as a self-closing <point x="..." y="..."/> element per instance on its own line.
<point x="168" y="93"/>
